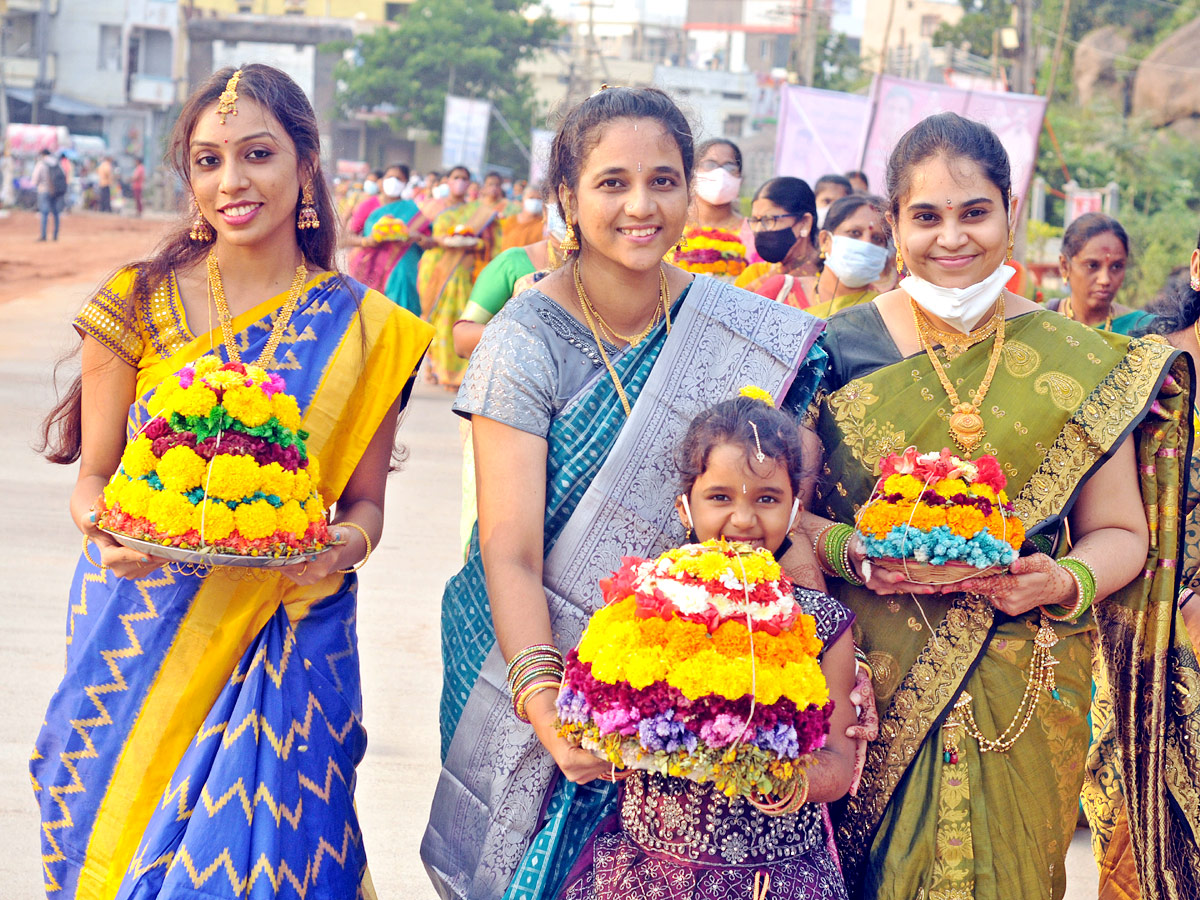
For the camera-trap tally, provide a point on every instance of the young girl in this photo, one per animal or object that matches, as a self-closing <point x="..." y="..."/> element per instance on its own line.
<point x="673" y="838"/>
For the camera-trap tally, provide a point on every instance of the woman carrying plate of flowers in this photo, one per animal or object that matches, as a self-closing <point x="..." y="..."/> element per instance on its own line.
<point x="184" y="686"/>
<point x="973" y="788"/>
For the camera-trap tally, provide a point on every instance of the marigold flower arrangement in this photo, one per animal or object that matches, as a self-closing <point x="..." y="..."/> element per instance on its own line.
<point x="942" y="511"/>
<point x="390" y="228"/>
<point x="700" y="665"/>
<point x="712" y="251"/>
<point x="222" y="466"/>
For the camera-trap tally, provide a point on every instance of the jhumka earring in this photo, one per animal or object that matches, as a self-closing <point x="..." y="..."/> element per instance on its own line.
<point x="1010" y="245"/>
<point x="899" y="261"/>
<point x="308" y="211"/>
<point x="682" y="244"/>
<point x="1195" y="283"/>
<point x="570" y="243"/>
<point x="201" y="232"/>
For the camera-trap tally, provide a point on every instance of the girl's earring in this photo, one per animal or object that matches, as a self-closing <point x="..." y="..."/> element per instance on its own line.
<point x="1195" y="283"/>
<point x="1011" y="239"/>
<point x="201" y="232"/>
<point x="899" y="261"/>
<point x="681" y="245"/>
<point x="308" y="211"/>
<point x="570" y="243"/>
<point x="687" y="511"/>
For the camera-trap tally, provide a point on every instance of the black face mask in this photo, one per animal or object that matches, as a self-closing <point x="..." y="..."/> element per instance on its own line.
<point x="773" y="246"/>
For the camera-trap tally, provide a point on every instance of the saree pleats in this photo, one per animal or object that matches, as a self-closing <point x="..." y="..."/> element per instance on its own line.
<point x="203" y="740"/>
<point x="993" y="825"/>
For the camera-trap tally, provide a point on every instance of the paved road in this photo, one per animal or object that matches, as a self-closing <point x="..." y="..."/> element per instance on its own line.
<point x="398" y="612"/>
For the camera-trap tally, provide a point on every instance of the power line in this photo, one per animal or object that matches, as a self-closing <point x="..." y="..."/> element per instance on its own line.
<point x="1117" y="57"/>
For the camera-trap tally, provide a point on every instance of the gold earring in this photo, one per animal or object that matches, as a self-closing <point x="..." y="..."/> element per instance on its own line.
<point x="308" y="211"/>
<point x="570" y="243"/>
<point x="682" y="244"/>
<point x="1010" y="245"/>
<point x="201" y="232"/>
<point x="899" y="261"/>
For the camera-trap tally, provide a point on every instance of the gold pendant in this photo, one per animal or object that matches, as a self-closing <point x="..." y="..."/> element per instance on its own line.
<point x="966" y="426"/>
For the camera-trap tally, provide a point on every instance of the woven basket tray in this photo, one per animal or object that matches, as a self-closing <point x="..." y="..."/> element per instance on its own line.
<point x="927" y="573"/>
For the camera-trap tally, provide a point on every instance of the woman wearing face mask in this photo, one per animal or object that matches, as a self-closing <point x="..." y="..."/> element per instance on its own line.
<point x="713" y="240"/>
<point x="854" y="245"/>
<point x="783" y="220"/>
<point x="387" y="257"/>
<point x="525" y="226"/>
<point x="1093" y="262"/>
<point x="973" y="787"/>
<point x="367" y="202"/>
<point x="468" y="236"/>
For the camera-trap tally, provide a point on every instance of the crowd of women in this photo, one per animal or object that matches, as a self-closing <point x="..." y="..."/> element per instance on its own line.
<point x="203" y="740"/>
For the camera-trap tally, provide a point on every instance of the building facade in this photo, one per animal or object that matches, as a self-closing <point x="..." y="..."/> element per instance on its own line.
<point x="898" y="36"/>
<point x="364" y="10"/>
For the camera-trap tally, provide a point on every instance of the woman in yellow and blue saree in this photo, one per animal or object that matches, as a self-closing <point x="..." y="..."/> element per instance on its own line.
<point x="203" y="740"/>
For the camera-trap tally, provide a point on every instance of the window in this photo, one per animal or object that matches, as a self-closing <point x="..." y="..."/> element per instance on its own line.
<point x="157" y="53"/>
<point x="733" y="126"/>
<point x="110" y="48"/>
<point x="764" y="49"/>
<point x="929" y="24"/>
<point x="394" y="11"/>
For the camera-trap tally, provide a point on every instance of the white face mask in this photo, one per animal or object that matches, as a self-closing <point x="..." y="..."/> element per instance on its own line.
<point x="533" y="205"/>
<point x="370" y="187"/>
<point x="960" y="308"/>
<point x="440" y="191"/>
<point x="392" y="186"/>
<point x="717" y="187"/>
<point x="854" y="262"/>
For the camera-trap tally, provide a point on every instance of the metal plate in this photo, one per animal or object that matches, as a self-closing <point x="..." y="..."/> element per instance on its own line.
<point x="211" y="558"/>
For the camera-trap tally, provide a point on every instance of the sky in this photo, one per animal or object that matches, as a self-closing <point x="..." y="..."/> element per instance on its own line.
<point x="850" y="22"/>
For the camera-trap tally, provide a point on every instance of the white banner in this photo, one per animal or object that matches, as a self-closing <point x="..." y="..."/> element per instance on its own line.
<point x="539" y="149"/>
<point x="464" y="133"/>
<point x="820" y="132"/>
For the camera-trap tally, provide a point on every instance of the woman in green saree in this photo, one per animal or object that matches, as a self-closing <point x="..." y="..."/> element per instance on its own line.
<point x="972" y="789"/>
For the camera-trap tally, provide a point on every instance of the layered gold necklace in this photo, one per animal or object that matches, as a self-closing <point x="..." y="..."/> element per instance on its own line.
<point x="1068" y="309"/>
<point x="596" y="323"/>
<point x="266" y="359"/>
<point x="966" y="423"/>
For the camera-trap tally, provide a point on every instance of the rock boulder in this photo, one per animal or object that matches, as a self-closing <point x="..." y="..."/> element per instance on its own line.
<point x="1167" y="86"/>
<point x="1095" y="72"/>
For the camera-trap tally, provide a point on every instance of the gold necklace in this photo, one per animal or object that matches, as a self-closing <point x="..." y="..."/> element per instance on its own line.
<point x="1068" y="309"/>
<point x="966" y="424"/>
<point x="634" y="340"/>
<point x="955" y="343"/>
<point x="590" y="316"/>
<point x="266" y="359"/>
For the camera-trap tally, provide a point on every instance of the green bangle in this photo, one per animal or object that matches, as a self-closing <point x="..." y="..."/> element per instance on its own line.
<point x="1085" y="590"/>
<point x="837" y="553"/>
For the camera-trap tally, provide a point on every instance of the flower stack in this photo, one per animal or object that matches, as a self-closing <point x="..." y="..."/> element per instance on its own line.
<point x="700" y="665"/>
<point x="712" y="251"/>
<point x="221" y="467"/>
<point x="390" y="228"/>
<point x="931" y="510"/>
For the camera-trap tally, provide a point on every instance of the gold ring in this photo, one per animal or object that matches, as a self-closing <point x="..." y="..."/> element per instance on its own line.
<point x="303" y="568"/>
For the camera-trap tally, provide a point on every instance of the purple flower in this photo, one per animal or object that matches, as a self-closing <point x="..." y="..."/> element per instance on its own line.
<point x="781" y="739"/>
<point x="573" y="707"/>
<point x="662" y="732"/>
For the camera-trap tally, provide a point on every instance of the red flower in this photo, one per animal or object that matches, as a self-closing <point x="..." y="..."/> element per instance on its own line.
<point x="990" y="473"/>
<point x="620" y="584"/>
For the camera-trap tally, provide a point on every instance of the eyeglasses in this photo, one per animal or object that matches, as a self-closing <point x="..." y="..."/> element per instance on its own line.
<point x="711" y="165"/>
<point x="767" y="223"/>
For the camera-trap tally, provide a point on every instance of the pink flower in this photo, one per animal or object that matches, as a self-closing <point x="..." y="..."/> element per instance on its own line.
<point x="274" y="385"/>
<point x="186" y="376"/>
<point x="621" y="584"/>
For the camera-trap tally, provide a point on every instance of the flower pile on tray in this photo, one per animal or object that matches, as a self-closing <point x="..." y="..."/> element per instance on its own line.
<point x="700" y="665"/>
<point x="938" y="509"/>
<point x="222" y="466"/>
<point x="390" y="228"/>
<point x="712" y="251"/>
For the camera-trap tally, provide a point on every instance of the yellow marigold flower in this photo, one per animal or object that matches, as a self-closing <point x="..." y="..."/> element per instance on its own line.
<point x="181" y="469"/>
<point x="255" y="520"/>
<point x="983" y="490"/>
<point x="224" y="379"/>
<point x="286" y="410"/>
<point x="732" y="639"/>
<point x="686" y="640"/>
<point x="171" y="513"/>
<point x="965" y="521"/>
<point x="293" y="519"/>
<point x="233" y="477"/>
<point x="161" y="398"/>
<point x="768" y="686"/>
<point x="756" y="393"/>
<point x="643" y="667"/>
<point x="206" y="364"/>
<point x="925" y="518"/>
<point x="215" y="521"/>
<point x="247" y="404"/>
<point x="196" y="400"/>
<point x="1002" y="497"/>
<point x="950" y="487"/>
<point x="906" y="486"/>
<point x="803" y="683"/>
<point x="114" y="491"/>
<point x="278" y="481"/>
<point x="135" y="498"/>
<point x="138" y="458"/>
<point x="1007" y="528"/>
<point x="314" y="472"/>
<point x="314" y="508"/>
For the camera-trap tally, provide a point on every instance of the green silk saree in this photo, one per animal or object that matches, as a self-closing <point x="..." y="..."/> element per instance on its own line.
<point x="996" y="825"/>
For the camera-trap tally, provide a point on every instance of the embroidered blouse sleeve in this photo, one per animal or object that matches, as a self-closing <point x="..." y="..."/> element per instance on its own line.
<point x="512" y="376"/>
<point x="108" y="318"/>
<point x="831" y="617"/>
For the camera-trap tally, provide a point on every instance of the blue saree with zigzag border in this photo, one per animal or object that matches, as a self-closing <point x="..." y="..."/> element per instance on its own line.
<point x="204" y="737"/>
<point x="503" y="825"/>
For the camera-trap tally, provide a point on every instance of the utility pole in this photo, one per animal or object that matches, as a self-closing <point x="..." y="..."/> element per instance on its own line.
<point x="3" y="83"/>
<point x="1027" y="69"/>
<point x="41" y="41"/>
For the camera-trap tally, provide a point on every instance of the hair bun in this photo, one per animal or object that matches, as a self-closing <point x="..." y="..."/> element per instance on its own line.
<point x="756" y="393"/>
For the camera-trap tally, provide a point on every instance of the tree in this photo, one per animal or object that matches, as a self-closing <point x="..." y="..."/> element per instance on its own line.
<point x="468" y="48"/>
<point x="839" y="62"/>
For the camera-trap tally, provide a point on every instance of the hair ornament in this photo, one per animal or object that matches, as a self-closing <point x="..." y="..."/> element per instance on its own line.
<point x="756" y="393"/>
<point x="760" y="456"/>
<point x="227" y="103"/>
<point x="603" y="88"/>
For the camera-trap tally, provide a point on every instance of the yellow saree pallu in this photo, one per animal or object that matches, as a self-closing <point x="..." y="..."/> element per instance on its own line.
<point x="204" y="737"/>
<point x="996" y="825"/>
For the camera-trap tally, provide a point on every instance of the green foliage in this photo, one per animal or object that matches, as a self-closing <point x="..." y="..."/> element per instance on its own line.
<point x="1157" y="173"/>
<point x="464" y="47"/>
<point x="839" y="63"/>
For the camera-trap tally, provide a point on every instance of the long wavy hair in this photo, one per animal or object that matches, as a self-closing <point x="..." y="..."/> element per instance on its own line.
<point x="61" y="432"/>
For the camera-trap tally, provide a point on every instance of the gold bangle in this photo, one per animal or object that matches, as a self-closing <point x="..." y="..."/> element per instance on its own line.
<point x="88" y="556"/>
<point x="366" y="537"/>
